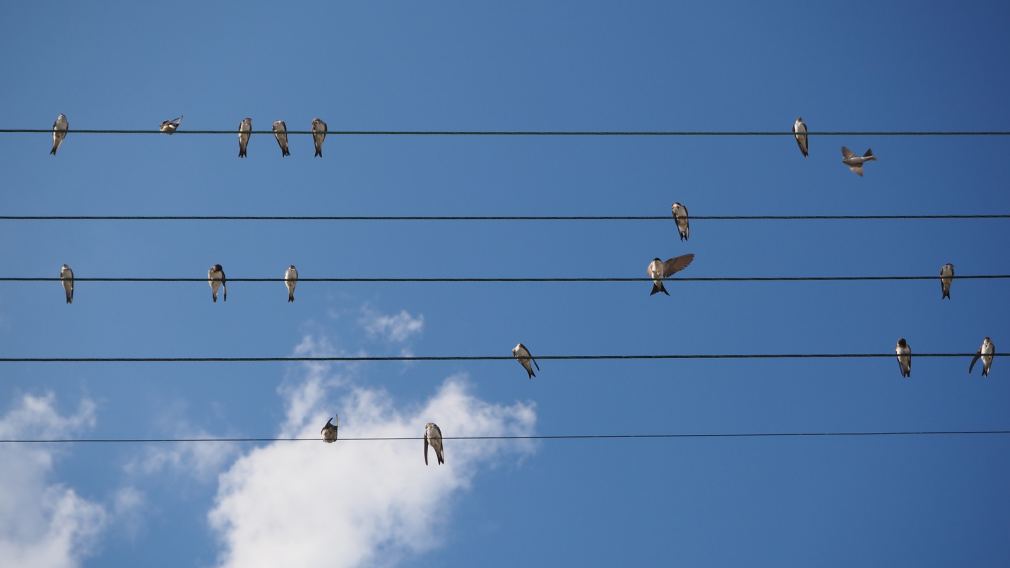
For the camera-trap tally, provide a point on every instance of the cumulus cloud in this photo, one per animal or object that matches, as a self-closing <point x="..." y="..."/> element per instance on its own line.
<point x="200" y="461"/>
<point x="357" y="503"/>
<point x="43" y="523"/>
<point x="395" y="328"/>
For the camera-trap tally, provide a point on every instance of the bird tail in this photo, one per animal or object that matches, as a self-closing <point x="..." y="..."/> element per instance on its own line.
<point x="285" y="153"/>
<point x="291" y="296"/>
<point x="53" y="151"/>
<point x="225" y="286"/>
<point x="530" y="373"/>
<point x="658" y="288"/>
<point x="241" y="152"/>
<point x="319" y="152"/>
<point x="946" y="294"/>
<point x="441" y="460"/>
<point x="869" y="155"/>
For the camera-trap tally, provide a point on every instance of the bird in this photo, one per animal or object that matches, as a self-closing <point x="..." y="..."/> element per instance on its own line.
<point x="60" y="127"/>
<point x="800" y="133"/>
<point x="318" y="135"/>
<point x="291" y="280"/>
<point x="904" y="353"/>
<point x="433" y="436"/>
<point x="658" y="270"/>
<point x="946" y="277"/>
<point x="244" y="131"/>
<point x="216" y="279"/>
<point x="855" y="162"/>
<point x="281" y="134"/>
<point x="522" y="354"/>
<point x="329" y="432"/>
<point x="67" y="276"/>
<point x="683" y="223"/>
<point x="986" y="352"/>
<point x="170" y="126"/>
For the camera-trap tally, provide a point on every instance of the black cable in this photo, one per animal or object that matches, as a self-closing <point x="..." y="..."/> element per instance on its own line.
<point x="463" y="279"/>
<point x="373" y="358"/>
<point x="537" y="132"/>
<point x="531" y="437"/>
<point x="951" y="216"/>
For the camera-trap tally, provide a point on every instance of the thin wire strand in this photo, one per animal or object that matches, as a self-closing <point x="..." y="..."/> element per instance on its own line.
<point x="489" y="279"/>
<point x="669" y="218"/>
<point x="376" y="358"/>
<point x="857" y="434"/>
<point x="535" y="132"/>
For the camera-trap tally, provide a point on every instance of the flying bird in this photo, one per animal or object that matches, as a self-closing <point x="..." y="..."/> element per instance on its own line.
<point x="904" y="353"/>
<point x="433" y="436"/>
<point x="318" y="135"/>
<point x="244" y="131"/>
<point x="800" y="133"/>
<point x="329" y="432"/>
<point x="986" y="353"/>
<point x="60" y="127"/>
<point x="216" y="279"/>
<point x="522" y="354"/>
<point x="67" y="276"/>
<point x="170" y="126"/>
<point x="946" y="277"/>
<point x="658" y="270"/>
<point x="281" y="134"/>
<point x="683" y="223"/>
<point x="291" y="280"/>
<point x="855" y="162"/>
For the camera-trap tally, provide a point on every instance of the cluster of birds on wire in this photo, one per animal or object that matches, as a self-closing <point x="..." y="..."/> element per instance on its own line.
<point x="61" y="126"/>
<point x="657" y="270"/>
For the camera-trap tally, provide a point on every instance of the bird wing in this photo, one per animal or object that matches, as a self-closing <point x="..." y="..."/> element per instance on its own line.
<point x="846" y="153"/>
<point x="974" y="360"/>
<point x="676" y="264"/>
<point x="426" y="449"/>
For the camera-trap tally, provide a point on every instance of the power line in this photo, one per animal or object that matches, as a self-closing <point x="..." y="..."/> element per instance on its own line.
<point x="666" y="133"/>
<point x="504" y="279"/>
<point x="668" y="218"/>
<point x="377" y="358"/>
<point x="855" y="434"/>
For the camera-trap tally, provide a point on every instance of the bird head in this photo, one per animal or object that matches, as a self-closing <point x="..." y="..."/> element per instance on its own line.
<point x="902" y="342"/>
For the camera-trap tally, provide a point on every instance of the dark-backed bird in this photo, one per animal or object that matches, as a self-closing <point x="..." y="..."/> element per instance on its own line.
<point x="67" y="276"/>
<point x="904" y="353"/>
<point x="522" y="354"/>
<point x="658" y="270"/>
<point x="216" y="279"/>
<point x="329" y="431"/>
<point x="683" y="222"/>
<point x="318" y="135"/>
<point x="60" y="127"/>
<point x="986" y="354"/>
<point x="946" y="277"/>
<point x="170" y="126"/>
<point x="433" y="436"/>
<point x="800" y="133"/>
<point x="290" y="281"/>
<point x="855" y="162"/>
<point x="281" y="134"/>
<point x="244" y="132"/>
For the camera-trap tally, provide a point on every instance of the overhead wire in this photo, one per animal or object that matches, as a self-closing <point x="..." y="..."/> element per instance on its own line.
<point x="506" y="279"/>
<point x="235" y="132"/>
<point x="669" y="218"/>
<point x="684" y="435"/>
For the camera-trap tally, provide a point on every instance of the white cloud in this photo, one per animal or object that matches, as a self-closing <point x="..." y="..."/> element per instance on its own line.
<point x="358" y="503"/>
<point x="396" y="328"/>
<point x="42" y="523"/>
<point x="201" y="461"/>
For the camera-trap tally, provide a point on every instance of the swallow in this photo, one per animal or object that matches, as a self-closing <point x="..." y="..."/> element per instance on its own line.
<point x="281" y="134"/>
<point x="170" y="126"/>
<point x="904" y="353"/>
<point x="329" y="432"/>
<point x="800" y="133"/>
<point x="433" y="436"/>
<point x="986" y="353"/>
<point x="946" y="277"/>
<point x="291" y="280"/>
<point x="683" y="223"/>
<point x="216" y="279"/>
<point x="658" y="270"/>
<point x="855" y="162"/>
<point x="60" y="127"/>
<point x="244" y="131"/>
<point x="523" y="356"/>
<point x="318" y="135"/>
<point x="67" y="276"/>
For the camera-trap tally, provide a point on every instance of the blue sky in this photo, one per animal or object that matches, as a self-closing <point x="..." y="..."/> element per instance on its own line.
<point x="489" y="66"/>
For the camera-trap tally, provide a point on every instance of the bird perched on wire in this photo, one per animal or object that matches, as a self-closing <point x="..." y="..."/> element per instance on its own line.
<point x="244" y="132"/>
<point x="60" y="127"/>
<point x="800" y="133"/>
<point x="329" y="431"/>
<point x="904" y="353"/>
<point x="986" y="353"/>
<point x="170" y="126"/>
<point x="290" y="281"/>
<point x="855" y="162"/>
<point x="433" y="436"/>
<point x="522" y="354"/>
<point x="946" y="277"/>
<point x="318" y="135"/>
<point x="281" y="134"/>
<point x="67" y="276"/>
<point x="216" y="279"/>
<point x="683" y="223"/>
<point x="658" y="270"/>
